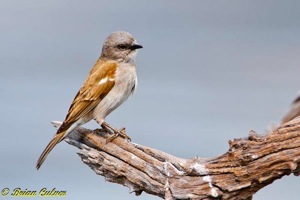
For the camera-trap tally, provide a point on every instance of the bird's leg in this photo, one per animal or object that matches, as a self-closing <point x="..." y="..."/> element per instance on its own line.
<point x="114" y="132"/>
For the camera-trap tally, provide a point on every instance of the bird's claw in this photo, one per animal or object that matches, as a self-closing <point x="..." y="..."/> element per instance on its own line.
<point x="118" y="133"/>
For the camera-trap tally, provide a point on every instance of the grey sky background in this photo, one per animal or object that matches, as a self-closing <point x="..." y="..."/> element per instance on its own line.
<point x="210" y="71"/>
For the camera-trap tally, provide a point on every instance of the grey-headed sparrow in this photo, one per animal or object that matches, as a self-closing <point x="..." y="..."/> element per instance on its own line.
<point x="110" y="82"/>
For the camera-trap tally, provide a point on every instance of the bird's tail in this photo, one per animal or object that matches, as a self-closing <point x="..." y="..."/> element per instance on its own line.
<point x="56" y="139"/>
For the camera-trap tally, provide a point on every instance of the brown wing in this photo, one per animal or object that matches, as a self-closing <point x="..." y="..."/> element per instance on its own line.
<point x="98" y="84"/>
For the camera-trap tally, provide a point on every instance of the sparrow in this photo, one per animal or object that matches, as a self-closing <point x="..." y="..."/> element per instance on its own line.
<point x="110" y="82"/>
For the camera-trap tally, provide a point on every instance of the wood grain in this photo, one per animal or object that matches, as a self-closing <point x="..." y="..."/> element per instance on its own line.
<point x="249" y="164"/>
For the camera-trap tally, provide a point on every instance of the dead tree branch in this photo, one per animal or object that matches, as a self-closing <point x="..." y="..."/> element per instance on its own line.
<point x="250" y="164"/>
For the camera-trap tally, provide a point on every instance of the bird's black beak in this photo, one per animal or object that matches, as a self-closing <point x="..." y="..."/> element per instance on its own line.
<point x="135" y="46"/>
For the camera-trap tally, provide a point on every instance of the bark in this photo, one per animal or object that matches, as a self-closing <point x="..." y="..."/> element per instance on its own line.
<point x="249" y="164"/>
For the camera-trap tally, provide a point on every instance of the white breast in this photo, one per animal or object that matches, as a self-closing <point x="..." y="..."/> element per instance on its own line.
<point x="125" y="84"/>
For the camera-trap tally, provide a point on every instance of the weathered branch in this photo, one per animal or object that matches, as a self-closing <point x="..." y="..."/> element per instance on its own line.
<point x="250" y="164"/>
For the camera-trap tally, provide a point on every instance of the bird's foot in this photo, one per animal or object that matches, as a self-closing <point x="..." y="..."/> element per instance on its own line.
<point x="114" y="132"/>
<point x="118" y="133"/>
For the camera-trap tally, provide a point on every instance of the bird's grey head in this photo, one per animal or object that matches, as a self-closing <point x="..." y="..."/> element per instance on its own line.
<point x="120" y="46"/>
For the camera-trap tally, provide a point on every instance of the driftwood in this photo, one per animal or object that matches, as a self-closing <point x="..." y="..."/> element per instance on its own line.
<point x="250" y="164"/>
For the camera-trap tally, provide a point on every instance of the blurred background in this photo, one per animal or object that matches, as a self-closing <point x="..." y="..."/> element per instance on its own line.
<point x="209" y="72"/>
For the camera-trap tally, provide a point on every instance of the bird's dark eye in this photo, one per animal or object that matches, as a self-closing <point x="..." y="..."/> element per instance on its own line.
<point x="122" y="46"/>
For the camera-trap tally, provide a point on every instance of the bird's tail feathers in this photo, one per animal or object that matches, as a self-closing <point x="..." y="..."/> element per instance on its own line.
<point x="55" y="140"/>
